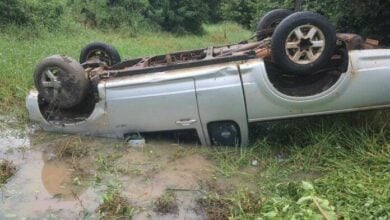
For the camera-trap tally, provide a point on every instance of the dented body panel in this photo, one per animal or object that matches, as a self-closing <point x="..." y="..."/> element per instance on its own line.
<point x="237" y="91"/>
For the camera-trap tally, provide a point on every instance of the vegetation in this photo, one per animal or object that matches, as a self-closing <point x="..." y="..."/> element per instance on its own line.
<point x="311" y="169"/>
<point x="34" y="14"/>
<point x="368" y="18"/>
<point x="7" y="169"/>
<point x="167" y="203"/>
<point x="114" y="206"/>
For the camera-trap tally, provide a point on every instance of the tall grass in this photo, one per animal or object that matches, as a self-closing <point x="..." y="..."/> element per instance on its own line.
<point x="22" y="49"/>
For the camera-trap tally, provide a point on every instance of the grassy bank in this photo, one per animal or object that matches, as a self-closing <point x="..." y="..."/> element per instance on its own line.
<point x="21" y="50"/>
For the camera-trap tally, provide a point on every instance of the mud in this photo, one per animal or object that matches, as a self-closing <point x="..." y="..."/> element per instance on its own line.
<point x="54" y="180"/>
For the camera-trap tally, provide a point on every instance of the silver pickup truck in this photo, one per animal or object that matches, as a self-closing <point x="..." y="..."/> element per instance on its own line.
<point x="216" y="91"/>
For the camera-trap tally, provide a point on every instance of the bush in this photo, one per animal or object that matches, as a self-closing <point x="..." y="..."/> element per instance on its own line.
<point x="179" y="16"/>
<point x="11" y="11"/>
<point x="31" y="13"/>
<point x="249" y="12"/>
<point x="169" y="15"/>
<point x="240" y="11"/>
<point x="112" y="14"/>
<point x="367" y="18"/>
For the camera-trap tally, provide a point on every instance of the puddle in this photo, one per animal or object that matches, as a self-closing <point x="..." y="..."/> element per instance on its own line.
<point x="65" y="177"/>
<point x="52" y="185"/>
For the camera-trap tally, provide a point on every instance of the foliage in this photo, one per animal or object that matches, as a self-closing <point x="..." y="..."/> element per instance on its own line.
<point x="112" y="14"/>
<point x="114" y="206"/>
<point x="368" y="18"/>
<point x="7" y="170"/>
<point x="166" y="203"/>
<point x="297" y="201"/>
<point x="12" y="11"/>
<point x="334" y="166"/>
<point x="31" y="13"/>
<point x="249" y="12"/>
<point x="169" y="15"/>
<point x="179" y="16"/>
<point x="240" y="11"/>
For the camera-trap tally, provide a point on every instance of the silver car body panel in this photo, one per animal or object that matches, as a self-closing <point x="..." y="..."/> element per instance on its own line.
<point x="364" y="86"/>
<point x="236" y="91"/>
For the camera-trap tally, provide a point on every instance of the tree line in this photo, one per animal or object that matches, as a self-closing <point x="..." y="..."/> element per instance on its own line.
<point x="369" y="18"/>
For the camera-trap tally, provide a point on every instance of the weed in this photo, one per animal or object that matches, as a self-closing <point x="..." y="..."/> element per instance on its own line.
<point x="215" y="207"/>
<point x="167" y="203"/>
<point x="71" y="147"/>
<point x="346" y="163"/>
<point x="7" y="169"/>
<point x="114" y="206"/>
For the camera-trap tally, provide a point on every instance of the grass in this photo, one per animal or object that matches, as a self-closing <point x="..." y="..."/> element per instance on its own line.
<point x="115" y="206"/>
<point x="334" y="167"/>
<point x="21" y="51"/>
<point x="166" y="203"/>
<point x="7" y="170"/>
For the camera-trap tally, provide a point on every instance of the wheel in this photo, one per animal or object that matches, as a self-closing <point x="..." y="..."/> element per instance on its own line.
<point x="303" y="43"/>
<point x="102" y="51"/>
<point x="268" y="23"/>
<point x="61" y="81"/>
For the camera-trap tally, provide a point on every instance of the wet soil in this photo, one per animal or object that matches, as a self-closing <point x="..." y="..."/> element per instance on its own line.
<point x="56" y="178"/>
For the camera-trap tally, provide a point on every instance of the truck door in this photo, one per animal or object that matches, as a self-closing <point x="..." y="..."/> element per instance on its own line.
<point x="221" y="102"/>
<point x="153" y="106"/>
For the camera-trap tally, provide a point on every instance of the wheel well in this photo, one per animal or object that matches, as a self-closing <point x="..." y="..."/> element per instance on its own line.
<point x="308" y="85"/>
<point x="224" y="133"/>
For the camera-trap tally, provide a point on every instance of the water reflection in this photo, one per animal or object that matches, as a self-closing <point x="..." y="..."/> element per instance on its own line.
<point x="43" y="183"/>
<point x="60" y="180"/>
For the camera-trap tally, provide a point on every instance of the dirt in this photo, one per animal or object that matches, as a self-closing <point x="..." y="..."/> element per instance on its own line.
<point x="70" y="177"/>
<point x="57" y="178"/>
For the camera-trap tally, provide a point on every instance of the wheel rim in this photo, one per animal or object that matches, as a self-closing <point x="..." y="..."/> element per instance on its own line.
<point x="101" y="55"/>
<point x="305" y="44"/>
<point x="50" y="82"/>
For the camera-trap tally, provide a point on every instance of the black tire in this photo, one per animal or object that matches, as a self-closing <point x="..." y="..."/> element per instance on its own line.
<point x="104" y="52"/>
<point x="61" y="81"/>
<point x="268" y="23"/>
<point x="308" y="53"/>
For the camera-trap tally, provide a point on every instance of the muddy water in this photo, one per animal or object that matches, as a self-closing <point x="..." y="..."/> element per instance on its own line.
<point x="53" y="182"/>
<point x="69" y="187"/>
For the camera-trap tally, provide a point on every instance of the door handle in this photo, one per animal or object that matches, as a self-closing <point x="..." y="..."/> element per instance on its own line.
<point x="186" y="122"/>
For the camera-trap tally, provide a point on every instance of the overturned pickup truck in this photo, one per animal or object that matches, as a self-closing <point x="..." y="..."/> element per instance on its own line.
<point x="297" y="67"/>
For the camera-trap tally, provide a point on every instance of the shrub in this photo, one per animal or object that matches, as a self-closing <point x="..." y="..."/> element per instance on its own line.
<point x="368" y="18"/>
<point x="249" y="12"/>
<point x="179" y="16"/>
<point x="169" y="15"/>
<point x="240" y="11"/>
<point x="31" y="13"/>
<point x="11" y="11"/>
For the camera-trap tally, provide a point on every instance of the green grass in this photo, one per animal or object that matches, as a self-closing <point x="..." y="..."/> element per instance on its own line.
<point x="21" y="50"/>
<point x="335" y="167"/>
